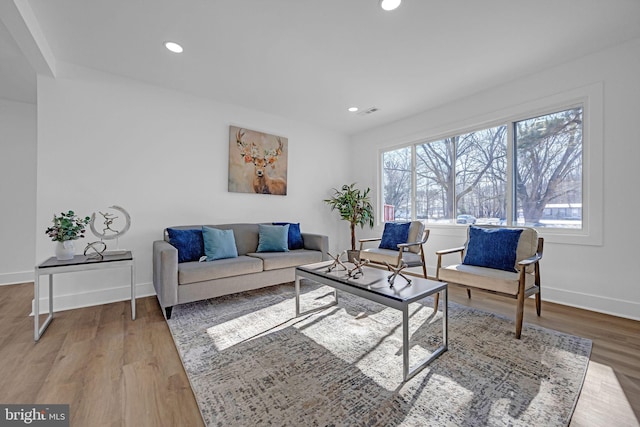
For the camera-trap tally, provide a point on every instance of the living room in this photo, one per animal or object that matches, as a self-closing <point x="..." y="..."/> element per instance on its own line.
<point x="91" y="138"/>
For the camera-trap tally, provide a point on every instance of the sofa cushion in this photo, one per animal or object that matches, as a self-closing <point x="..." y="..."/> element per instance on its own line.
<point x="492" y="248"/>
<point x="278" y="260"/>
<point x="273" y="238"/>
<point x="294" y="237"/>
<point x="192" y="272"/>
<point x="246" y="236"/>
<point x="218" y="244"/>
<point x="188" y="242"/>
<point x="484" y="278"/>
<point x="394" y="234"/>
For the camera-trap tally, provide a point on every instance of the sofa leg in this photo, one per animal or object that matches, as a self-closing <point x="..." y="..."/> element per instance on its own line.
<point x="167" y="311"/>
<point x="468" y="293"/>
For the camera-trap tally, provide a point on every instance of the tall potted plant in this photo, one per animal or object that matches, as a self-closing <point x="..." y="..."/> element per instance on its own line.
<point x="354" y="206"/>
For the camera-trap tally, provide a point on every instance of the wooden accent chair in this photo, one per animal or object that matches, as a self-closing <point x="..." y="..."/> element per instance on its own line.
<point x="522" y="281"/>
<point x="411" y="251"/>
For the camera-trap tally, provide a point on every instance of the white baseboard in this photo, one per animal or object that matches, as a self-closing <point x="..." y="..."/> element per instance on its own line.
<point x="91" y="298"/>
<point x="15" y="278"/>
<point x="598" y="303"/>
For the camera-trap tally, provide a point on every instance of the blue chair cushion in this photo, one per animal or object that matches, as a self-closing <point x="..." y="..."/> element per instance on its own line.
<point x="394" y="233"/>
<point x="492" y="248"/>
<point x="189" y="243"/>
<point x="219" y="244"/>
<point x="273" y="238"/>
<point x="295" y="237"/>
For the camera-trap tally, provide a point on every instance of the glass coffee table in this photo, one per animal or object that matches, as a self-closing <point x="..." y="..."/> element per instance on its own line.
<point x="373" y="285"/>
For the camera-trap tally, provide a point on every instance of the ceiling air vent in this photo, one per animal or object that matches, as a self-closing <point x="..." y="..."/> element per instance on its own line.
<point x="368" y="111"/>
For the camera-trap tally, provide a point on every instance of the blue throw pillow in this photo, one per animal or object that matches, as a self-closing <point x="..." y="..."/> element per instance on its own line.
<point x="394" y="233"/>
<point x="219" y="244"/>
<point x="188" y="243"/>
<point x="295" y="237"/>
<point x="273" y="238"/>
<point x="492" y="248"/>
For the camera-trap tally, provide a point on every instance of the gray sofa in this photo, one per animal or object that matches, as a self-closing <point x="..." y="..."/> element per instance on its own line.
<point x="178" y="283"/>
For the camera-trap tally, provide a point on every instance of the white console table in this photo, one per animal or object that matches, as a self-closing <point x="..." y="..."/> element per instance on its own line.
<point x="78" y="263"/>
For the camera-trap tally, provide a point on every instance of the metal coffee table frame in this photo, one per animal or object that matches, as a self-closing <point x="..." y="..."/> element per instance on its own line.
<point x="398" y="297"/>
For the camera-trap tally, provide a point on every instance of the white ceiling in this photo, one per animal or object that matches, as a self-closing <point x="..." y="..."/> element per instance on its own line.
<point x="311" y="59"/>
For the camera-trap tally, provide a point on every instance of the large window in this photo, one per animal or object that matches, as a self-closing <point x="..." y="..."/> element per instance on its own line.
<point x="396" y="182"/>
<point x="548" y="179"/>
<point x="522" y="172"/>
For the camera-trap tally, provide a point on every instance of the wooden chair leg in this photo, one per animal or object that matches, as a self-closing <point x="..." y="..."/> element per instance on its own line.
<point x="436" y="299"/>
<point x="468" y="293"/>
<point x="538" y="303"/>
<point x="519" y="314"/>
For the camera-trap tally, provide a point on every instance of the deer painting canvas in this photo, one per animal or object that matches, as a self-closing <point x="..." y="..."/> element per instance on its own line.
<point x="257" y="162"/>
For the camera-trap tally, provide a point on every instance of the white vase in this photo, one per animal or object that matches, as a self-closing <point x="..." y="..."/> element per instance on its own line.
<point x="65" y="250"/>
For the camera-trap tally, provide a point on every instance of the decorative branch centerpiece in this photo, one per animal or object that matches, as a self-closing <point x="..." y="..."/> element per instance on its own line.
<point x="354" y="206"/>
<point x="66" y="228"/>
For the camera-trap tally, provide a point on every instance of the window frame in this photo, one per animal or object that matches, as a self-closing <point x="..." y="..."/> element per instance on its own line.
<point x="590" y="98"/>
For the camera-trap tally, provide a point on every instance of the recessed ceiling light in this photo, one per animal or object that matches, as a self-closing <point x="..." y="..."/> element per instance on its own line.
<point x="390" y="4"/>
<point x="173" y="47"/>
<point x="353" y="109"/>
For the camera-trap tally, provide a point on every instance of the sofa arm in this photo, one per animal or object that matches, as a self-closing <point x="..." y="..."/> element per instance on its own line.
<point x="317" y="242"/>
<point x="165" y="273"/>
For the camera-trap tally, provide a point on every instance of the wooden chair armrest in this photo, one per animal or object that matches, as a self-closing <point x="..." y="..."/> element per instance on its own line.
<point x="372" y="239"/>
<point x="531" y="260"/>
<point x="406" y="245"/>
<point x="450" y="251"/>
<point x="535" y="258"/>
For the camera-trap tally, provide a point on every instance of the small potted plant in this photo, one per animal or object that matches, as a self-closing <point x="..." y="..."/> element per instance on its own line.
<point x="354" y="206"/>
<point x="66" y="228"/>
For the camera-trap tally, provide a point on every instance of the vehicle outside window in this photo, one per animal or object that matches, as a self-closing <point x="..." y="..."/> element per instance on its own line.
<point x="466" y="219"/>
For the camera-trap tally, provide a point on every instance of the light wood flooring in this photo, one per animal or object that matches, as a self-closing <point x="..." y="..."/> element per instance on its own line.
<point x="117" y="372"/>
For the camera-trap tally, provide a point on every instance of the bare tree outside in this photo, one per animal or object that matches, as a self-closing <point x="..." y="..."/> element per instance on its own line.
<point x="396" y="167"/>
<point x="463" y="178"/>
<point x="549" y="169"/>
<point x="463" y="175"/>
<point x="435" y="179"/>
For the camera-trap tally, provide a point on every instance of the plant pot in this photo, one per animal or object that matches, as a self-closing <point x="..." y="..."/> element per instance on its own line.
<point x="353" y="256"/>
<point x="65" y="250"/>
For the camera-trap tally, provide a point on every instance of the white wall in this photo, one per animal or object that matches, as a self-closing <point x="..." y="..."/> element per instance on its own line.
<point x="17" y="191"/>
<point x="163" y="156"/>
<point x="598" y="277"/>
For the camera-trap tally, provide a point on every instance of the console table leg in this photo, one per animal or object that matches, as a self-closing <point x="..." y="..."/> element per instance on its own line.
<point x="133" y="292"/>
<point x="51" y="295"/>
<point x="39" y="330"/>
<point x="36" y="307"/>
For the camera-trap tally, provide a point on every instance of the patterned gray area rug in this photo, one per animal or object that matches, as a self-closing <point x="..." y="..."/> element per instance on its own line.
<point x="251" y="362"/>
